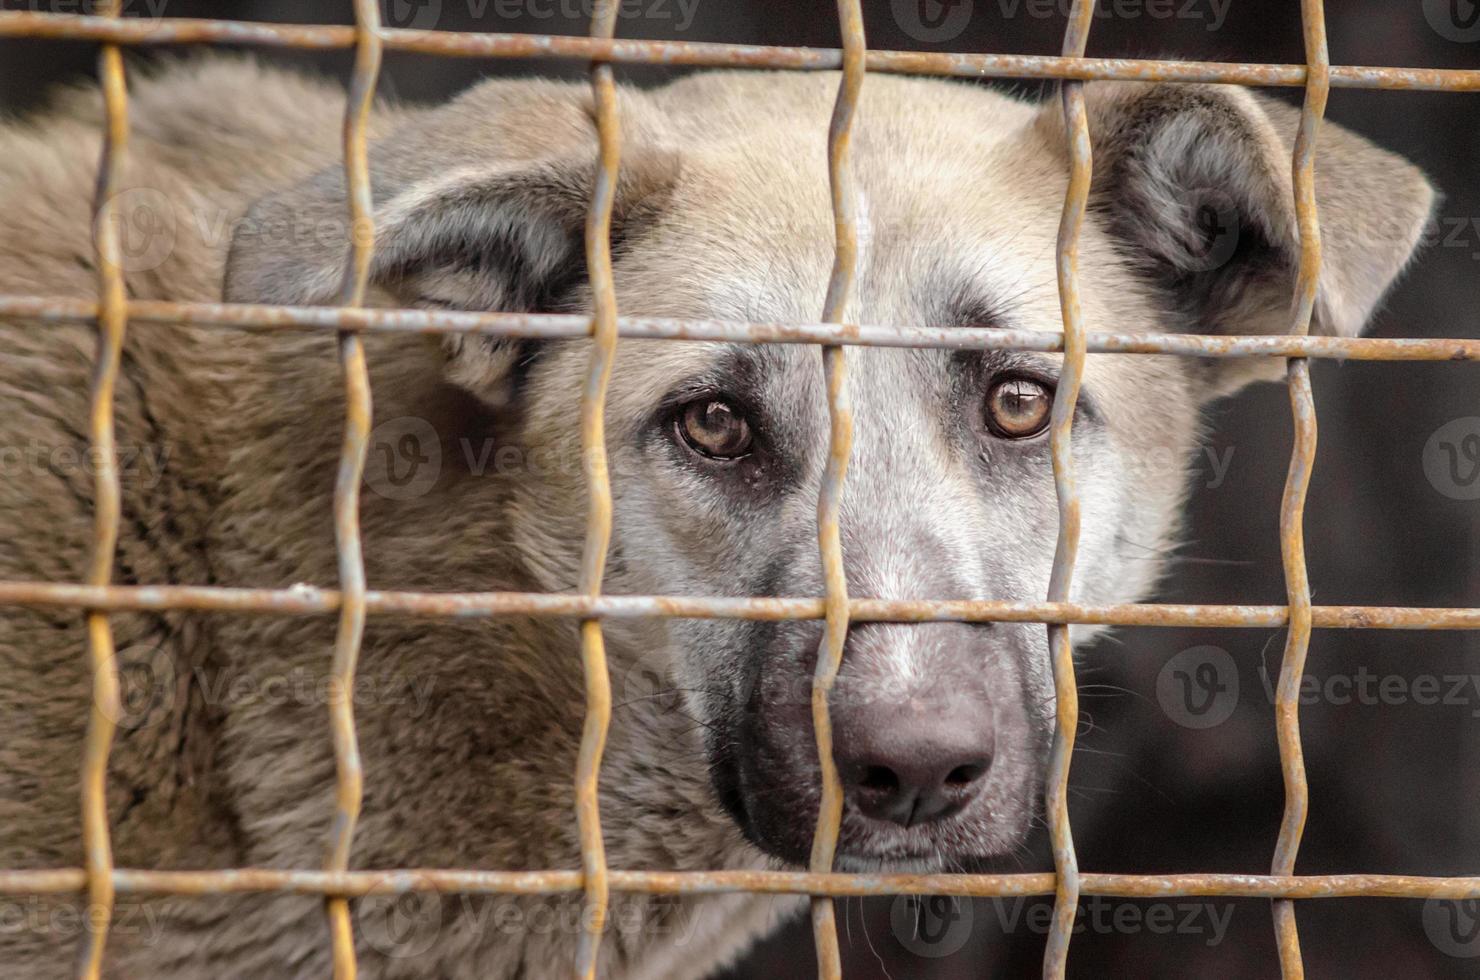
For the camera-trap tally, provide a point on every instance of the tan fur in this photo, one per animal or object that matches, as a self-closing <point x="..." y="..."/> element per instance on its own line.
<point x="469" y="728"/>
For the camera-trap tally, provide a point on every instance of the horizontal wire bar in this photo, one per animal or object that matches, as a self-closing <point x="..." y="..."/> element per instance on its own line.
<point x="301" y="600"/>
<point x="66" y="881"/>
<point x="551" y="326"/>
<point x="181" y="30"/>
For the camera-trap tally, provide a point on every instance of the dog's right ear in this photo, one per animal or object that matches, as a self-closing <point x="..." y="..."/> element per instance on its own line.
<point x="455" y="228"/>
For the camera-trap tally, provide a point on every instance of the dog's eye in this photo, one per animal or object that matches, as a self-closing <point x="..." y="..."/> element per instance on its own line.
<point x="1018" y="408"/>
<point x="714" y="428"/>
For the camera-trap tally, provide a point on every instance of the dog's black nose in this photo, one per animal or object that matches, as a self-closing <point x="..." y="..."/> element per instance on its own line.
<point x="914" y="762"/>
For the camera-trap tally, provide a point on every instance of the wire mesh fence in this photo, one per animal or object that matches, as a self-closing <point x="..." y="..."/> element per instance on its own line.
<point x="353" y="601"/>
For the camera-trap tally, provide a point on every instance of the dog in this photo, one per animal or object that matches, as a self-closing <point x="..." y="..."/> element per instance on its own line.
<point x="228" y="441"/>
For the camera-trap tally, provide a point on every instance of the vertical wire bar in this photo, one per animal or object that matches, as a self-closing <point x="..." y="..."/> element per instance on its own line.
<point x="1297" y="482"/>
<point x="349" y="775"/>
<point x="1061" y="649"/>
<point x="102" y="722"/>
<point x="599" y="494"/>
<point x="830" y="497"/>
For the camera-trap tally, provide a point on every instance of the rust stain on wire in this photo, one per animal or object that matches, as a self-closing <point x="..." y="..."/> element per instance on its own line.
<point x="559" y="325"/>
<point x="830" y="496"/>
<point x="112" y="321"/>
<point x="598" y="482"/>
<point x="1061" y="648"/>
<point x="184" y="30"/>
<point x="1297" y="482"/>
<point x="349" y="773"/>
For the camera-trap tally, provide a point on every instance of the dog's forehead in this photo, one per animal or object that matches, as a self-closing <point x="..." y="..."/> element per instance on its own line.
<point x="955" y="201"/>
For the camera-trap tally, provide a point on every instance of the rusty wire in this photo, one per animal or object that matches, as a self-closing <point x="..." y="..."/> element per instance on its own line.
<point x="99" y="880"/>
<point x="598" y="483"/>
<point x="307" y="600"/>
<point x="356" y="884"/>
<point x="184" y="30"/>
<point x="358" y="411"/>
<point x="1297" y="482"/>
<point x="1066" y="551"/>
<point x="830" y="495"/>
<point x="112" y="320"/>
<point x="550" y="326"/>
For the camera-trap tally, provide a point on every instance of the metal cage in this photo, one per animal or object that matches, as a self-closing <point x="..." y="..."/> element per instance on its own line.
<point x="100" y="881"/>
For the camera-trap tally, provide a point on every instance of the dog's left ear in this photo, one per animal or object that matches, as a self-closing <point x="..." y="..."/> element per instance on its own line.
<point x="1194" y="181"/>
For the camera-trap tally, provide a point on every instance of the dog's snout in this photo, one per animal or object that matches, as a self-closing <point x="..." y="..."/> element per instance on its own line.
<point x="915" y="762"/>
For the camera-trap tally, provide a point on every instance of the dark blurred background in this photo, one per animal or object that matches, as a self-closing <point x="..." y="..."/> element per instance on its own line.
<point x="1165" y="779"/>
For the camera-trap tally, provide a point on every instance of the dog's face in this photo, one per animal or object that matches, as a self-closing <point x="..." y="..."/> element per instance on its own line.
<point x="717" y="450"/>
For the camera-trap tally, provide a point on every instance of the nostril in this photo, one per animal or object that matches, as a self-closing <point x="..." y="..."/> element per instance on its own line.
<point x="965" y="775"/>
<point x="880" y="779"/>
